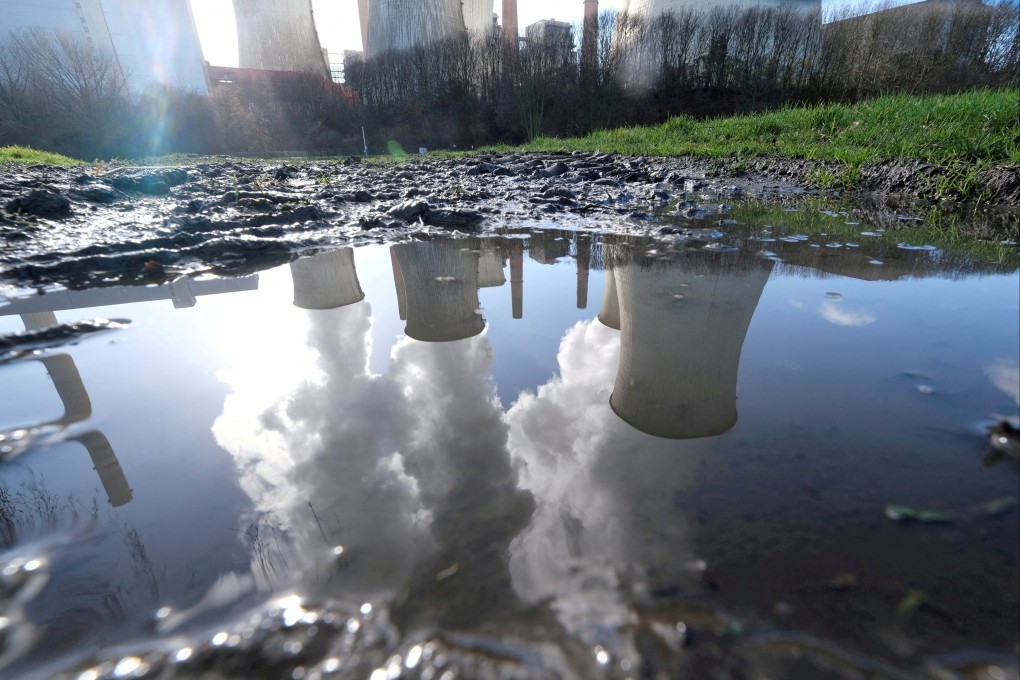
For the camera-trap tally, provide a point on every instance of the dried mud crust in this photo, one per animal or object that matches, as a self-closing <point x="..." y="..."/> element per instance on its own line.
<point x="78" y="227"/>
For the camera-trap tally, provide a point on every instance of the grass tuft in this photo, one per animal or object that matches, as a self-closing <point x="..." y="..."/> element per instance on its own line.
<point x="24" y="155"/>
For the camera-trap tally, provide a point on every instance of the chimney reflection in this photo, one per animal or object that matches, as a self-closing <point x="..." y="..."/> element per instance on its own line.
<point x="515" y="247"/>
<point x="326" y="281"/>
<point x="682" y="327"/>
<point x="440" y="283"/>
<point x="584" y="245"/>
<point x="78" y="408"/>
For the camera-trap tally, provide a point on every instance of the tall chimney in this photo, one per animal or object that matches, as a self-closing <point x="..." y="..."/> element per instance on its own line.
<point x="510" y="31"/>
<point x="590" y="34"/>
<point x="363" y="16"/>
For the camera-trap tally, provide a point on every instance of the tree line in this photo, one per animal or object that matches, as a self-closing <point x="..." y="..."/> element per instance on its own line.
<point x="57" y="94"/>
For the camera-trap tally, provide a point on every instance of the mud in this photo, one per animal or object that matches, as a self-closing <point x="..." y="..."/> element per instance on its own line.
<point x="78" y="227"/>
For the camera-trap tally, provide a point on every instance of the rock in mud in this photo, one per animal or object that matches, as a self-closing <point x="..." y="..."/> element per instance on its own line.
<point x="41" y="203"/>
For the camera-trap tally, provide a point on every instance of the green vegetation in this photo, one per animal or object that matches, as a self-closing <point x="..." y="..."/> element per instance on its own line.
<point x="963" y="132"/>
<point x="935" y="226"/>
<point x="28" y="156"/>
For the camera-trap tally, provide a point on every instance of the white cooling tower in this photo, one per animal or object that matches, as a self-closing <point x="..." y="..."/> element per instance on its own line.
<point x="441" y="286"/>
<point x="402" y="24"/>
<point x="155" y="42"/>
<point x="478" y="17"/>
<point x="682" y="329"/>
<point x="278" y="35"/>
<point x="326" y="281"/>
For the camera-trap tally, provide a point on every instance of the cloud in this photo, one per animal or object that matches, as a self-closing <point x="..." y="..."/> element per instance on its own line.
<point x="1005" y="375"/>
<point x="833" y="312"/>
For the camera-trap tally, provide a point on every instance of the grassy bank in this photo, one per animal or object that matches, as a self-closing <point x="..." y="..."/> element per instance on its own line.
<point x="27" y="156"/>
<point x="980" y="128"/>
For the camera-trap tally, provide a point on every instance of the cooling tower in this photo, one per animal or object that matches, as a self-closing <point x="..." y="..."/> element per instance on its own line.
<point x="682" y="328"/>
<point x="326" y="281"/>
<point x="278" y="35"/>
<point x="154" y="42"/>
<point x="441" y="290"/>
<point x="402" y="24"/>
<point x="478" y="16"/>
<point x="491" y="273"/>
<point x="609" y="313"/>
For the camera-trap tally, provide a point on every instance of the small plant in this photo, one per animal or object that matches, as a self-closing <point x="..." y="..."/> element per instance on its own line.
<point x="325" y="178"/>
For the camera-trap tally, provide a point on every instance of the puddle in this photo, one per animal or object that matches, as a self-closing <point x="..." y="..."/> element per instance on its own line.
<point x="538" y="454"/>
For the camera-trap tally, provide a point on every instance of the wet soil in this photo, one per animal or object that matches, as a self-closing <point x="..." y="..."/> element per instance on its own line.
<point x="78" y="227"/>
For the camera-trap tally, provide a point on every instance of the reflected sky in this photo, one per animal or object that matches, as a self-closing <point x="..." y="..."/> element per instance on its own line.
<point x="555" y="427"/>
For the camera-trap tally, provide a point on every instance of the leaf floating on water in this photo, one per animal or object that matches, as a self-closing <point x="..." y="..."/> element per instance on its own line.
<point x="903" y="513"/>
<point x="448" y="572"/>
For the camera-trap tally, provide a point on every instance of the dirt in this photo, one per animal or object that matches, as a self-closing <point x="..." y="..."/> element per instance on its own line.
<point x="77" y="227"/>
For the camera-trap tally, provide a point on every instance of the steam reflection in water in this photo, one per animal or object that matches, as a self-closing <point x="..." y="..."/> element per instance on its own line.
<point x="455" y="510"/>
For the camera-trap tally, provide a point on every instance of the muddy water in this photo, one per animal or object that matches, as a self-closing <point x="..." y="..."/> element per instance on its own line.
<point x="541" y="454"/>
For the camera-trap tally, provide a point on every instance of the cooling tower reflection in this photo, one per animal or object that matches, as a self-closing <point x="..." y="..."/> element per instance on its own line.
<point x="439" y="280"/>
<point x="682" y="326"/>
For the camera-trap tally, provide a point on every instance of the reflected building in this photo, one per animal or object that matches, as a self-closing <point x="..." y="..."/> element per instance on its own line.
<point x="438" y="283"/>
<point x="326" y="281"/>
<point x="682" y="327"/>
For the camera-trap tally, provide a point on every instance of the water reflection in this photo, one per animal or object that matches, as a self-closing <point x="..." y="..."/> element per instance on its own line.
<point x="682" y="325"/>
<point x="577" y="507"/>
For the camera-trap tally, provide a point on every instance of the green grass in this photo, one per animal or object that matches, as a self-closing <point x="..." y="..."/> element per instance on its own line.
<point x="964" y="131"/>
<point x="24" y="155"/>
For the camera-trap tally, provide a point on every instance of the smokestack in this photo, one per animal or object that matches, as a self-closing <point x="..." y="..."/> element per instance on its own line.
<point x="510" y="29"/>
<point x="363" y="16"/>
<point x="583" y="265"/>
<point x="590" y="34"/>
<point x="326" y="281"/>
<point x="516" y="248"/>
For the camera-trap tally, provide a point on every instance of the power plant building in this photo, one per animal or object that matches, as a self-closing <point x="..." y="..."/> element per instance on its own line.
<point x="154" y="42"/>
<point x="278" y="35"/>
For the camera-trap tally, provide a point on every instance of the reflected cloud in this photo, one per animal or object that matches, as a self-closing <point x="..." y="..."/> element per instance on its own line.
<point x="1005" y="375"/>
<point x="588" y="551"/>
<point x="835" y="312"/>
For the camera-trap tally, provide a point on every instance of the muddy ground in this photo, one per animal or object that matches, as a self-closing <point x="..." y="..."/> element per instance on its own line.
<point x="90" y="226"/>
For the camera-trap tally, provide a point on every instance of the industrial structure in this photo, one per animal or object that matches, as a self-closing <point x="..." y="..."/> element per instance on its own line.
<point x="682" y="328"/>
<point x="153" y="42"/>
<point x="278" y="35"/>
<point x="403" y="24"/>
